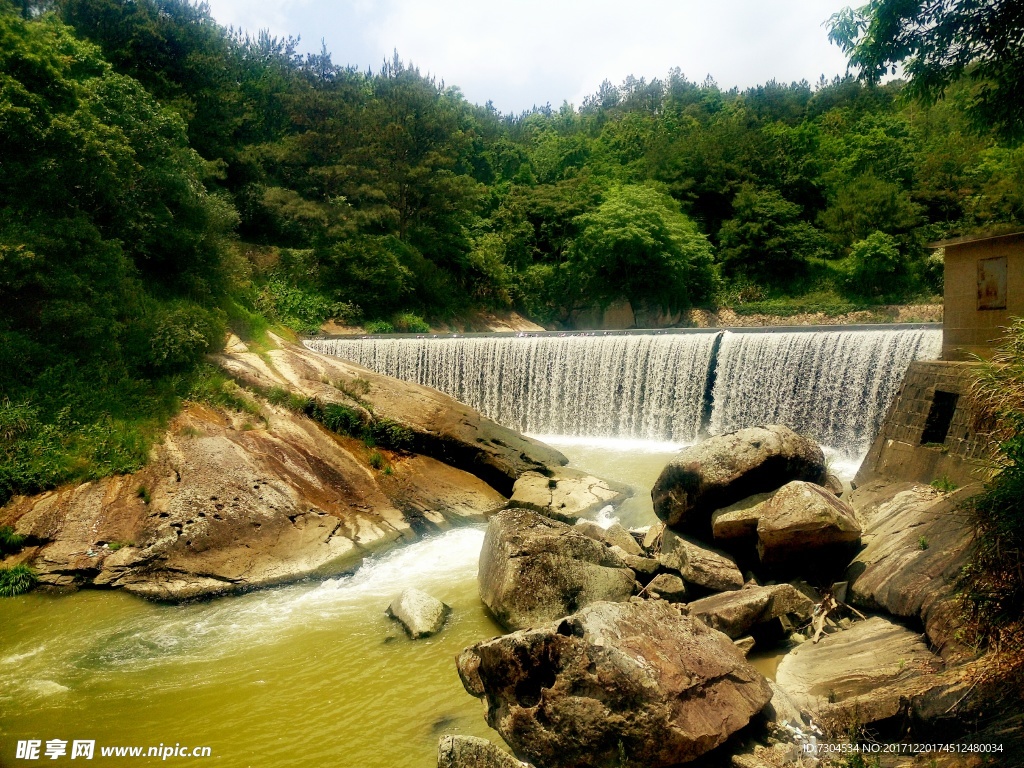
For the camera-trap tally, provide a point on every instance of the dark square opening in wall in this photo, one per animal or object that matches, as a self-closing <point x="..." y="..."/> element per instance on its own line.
<point x="940" y="416"/>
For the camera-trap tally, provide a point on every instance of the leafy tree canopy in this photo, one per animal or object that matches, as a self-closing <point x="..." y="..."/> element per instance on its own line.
<point x="937" y="43"/>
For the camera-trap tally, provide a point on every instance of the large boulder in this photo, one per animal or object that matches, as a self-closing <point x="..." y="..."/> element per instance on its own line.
<point x="916" y="542"/>
<point x="803" y="520"/>
<point x="232" y="501"/>
<point x="534" y="569"/>
<point x="566" y="494"/>
<point x="699" y="565"/>
<point x="726" y="469"/>
<point x="615" y="683"/>
<point x="421" y="614"/>
<point x="868" y="672"/>
<point x="473" y="752"/>
<point x="738" y="613"/>
<point x="437" y="425"/>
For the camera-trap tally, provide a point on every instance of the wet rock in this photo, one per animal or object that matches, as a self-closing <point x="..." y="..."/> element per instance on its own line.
<point x="616" y="682"/>
<point x="472" y="752"/>
<point x="566" y="494"/>
<point x="875" y="663"/>
<point x="421" y="614"/>
<point x="803" y="520"/>
<point x="534" y="569"/>
<point x="729" y="468"/>
<point x="915" y="544"/>
<point x="737" y="613"/>
<point x="699" y="565"/>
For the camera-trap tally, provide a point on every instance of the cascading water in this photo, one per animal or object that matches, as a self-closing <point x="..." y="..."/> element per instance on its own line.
<point x="641" y="386"/>
<point x="833" y="385"/>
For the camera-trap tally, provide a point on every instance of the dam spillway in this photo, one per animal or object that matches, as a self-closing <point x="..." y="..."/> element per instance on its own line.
<point x="832" y="384"/>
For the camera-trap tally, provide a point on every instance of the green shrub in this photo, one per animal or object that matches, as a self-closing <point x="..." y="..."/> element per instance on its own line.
<point x="337" y="418"/>
<point x="390" y="434"/>
<point x="10" y="541"/>
<point x="17" y="580"/>
<point x="406" y="322"/>
<point x="288" y="399"/>
<point x="877" y="268"/>
<point x="378" y="326"/>
<point x="944" y="484"/>
<point x="377" y="460"/>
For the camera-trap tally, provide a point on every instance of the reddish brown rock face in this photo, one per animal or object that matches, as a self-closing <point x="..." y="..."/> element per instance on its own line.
<point x="615" y="682"/>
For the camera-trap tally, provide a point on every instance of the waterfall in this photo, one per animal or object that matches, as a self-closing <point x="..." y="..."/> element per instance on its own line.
<point x="832" y="385"/>
<point x="643" y="386"/>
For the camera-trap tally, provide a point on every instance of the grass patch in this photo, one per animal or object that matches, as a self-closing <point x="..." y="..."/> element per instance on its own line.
<point x="10" y="542"/>
<point x="407" y="322"/>
<point x="944" y="484"/>
<point x="17" y="580"/>
<point x="378" y="326"/>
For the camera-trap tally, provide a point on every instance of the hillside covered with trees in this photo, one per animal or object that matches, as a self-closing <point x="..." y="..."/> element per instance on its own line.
<point x="165" y="178"/>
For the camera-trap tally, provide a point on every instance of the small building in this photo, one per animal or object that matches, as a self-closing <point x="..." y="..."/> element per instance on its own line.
<point x="984" y="288"/>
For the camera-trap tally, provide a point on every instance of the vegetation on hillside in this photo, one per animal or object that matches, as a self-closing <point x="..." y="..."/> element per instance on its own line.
<point x="165" y="179"/>
<point x="992" y="585"/>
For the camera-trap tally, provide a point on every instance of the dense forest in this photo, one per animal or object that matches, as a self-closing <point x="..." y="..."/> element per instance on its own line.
<point x="165" y="179"/>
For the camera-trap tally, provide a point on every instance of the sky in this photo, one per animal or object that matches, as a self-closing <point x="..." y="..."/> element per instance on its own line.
<point x="521" y="53"/>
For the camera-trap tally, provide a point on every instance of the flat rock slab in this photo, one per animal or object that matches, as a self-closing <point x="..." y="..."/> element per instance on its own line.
<point x="534" y="569"/>
<point x="737" y="613"/>
<point x="726" y="469"/>
<point x="566" y="494"/>
<point x="803" y="520"/>
<point x="421" y="614"/>
<point x="472" y="752"/>
<point x="698" y="564"/>
<point x="860" y="661"/>
<point x="614" y="683"/>
<point x="916" y="542"/>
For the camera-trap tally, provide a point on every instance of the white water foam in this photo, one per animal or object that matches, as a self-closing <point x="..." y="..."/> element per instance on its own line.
<point x="642" y="386"/>
<point x="834" y="386"/>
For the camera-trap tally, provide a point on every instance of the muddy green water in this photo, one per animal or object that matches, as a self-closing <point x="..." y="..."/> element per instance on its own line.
<point x="311" y="674"/>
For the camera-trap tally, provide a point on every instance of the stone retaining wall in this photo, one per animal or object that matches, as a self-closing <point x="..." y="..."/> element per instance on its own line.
<point x="930" y="432"/>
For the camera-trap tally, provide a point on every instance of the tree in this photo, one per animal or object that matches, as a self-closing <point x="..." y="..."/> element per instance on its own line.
<point x="876" y="267"/>
<point x="937" y="43"/>
<point x="638" y="246"/>
<point x="766" y="240"/>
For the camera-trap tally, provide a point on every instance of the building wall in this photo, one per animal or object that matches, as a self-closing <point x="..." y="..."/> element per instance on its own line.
<point x="967" y="329"/>
<point x="964" y="457"/>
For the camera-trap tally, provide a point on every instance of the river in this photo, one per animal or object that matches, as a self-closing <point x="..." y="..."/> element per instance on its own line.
<point x="312" y="674"/>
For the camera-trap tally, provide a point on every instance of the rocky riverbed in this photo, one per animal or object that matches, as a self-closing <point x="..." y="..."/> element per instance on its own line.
<point x="629" y="647"/>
